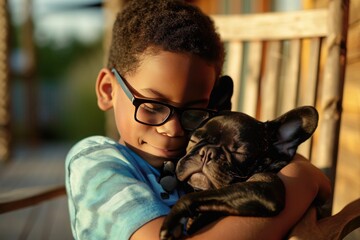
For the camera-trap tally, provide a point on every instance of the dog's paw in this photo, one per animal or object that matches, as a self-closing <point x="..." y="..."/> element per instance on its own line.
<point x="172" y="232"/>
<point x="167" y="235"/>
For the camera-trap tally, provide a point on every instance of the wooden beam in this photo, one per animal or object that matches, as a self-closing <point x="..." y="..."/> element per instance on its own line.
<point x="269" y="82"/>
<point x="25" y="197"/>
<point x="286" y="25"/>
<point x="233" y="69"/>
<point x="252" y="79"/>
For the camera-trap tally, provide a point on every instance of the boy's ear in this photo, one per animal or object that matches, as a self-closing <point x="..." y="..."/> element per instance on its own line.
<point x="220" y="98"/>
<point x="104" y="89"/>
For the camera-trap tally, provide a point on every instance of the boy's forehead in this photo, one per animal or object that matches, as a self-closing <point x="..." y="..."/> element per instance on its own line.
<point x="175" y="60"/>
<point x="175" y="74"/>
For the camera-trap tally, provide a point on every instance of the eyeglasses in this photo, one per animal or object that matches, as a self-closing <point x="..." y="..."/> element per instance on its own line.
<point x="155" y="113"/>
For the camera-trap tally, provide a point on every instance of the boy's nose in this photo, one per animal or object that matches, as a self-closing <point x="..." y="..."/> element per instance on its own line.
<point x="172" y="127"/>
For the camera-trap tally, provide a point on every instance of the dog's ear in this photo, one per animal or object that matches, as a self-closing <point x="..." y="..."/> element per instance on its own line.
<point x="293" y="128"/>
<point x="220" y="98"/>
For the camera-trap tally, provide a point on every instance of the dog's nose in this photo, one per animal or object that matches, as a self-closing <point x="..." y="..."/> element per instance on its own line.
<point x="207" y="153"/>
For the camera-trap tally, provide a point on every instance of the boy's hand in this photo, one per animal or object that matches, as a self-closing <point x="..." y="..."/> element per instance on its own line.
<point x="307" y="228"/>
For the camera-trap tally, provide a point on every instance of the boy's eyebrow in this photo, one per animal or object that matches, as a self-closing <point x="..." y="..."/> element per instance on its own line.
<point x="162" y="97"/>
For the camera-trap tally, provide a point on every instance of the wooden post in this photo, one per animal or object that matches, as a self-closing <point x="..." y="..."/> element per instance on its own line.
<point x="5" y="136"/>
<point x="332" y="88"/>
<point x="29" y="74"/>
<point x="112" y="8"/>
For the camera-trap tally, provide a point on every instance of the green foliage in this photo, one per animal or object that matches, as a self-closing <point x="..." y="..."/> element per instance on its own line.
<point x="70" y="71"/>
<point x="80" y="114"/>
<point x="54" y="62"/>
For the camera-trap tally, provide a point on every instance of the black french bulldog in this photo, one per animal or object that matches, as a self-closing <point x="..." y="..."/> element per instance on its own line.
<point x="233" y="159"/>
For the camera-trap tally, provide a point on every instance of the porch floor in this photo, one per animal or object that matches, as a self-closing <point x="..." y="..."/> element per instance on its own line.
<point x="37" y="166"/>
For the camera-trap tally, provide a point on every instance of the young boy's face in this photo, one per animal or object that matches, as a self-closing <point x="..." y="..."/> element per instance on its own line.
<point x="177" y="79"/>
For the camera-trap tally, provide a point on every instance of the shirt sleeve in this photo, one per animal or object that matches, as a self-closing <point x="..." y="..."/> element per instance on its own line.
<point x="106" y="198"/>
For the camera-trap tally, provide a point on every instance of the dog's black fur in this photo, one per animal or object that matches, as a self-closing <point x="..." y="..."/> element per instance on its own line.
<point x="233" y="159"/>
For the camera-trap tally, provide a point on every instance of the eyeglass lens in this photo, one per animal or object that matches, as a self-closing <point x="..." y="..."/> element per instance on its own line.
<point x="156" y="114"/>
<point x="192" y="118"/>
<point x="152" y="113"/>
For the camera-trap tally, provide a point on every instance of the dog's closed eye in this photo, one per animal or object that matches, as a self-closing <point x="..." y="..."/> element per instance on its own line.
<point x="239" y="149"/>
<point x="192" y="142"/>
<point x="240" y="156"/>
<point x="234" y="153"/>
<point x="194" y="139"/>
<point x="240" y="153"/>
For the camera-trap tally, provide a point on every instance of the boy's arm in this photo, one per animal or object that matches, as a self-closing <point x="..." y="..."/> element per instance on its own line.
<point x="303" y="183"/>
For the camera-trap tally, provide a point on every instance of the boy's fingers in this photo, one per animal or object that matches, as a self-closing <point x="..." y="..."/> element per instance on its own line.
<point x="307" y="228"/>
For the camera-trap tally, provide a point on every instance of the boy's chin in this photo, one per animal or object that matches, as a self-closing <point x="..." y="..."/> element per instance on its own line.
<point x="153" y="160"/>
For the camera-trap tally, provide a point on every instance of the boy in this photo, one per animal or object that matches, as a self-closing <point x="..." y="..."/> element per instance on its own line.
<point x="165" y="62"/>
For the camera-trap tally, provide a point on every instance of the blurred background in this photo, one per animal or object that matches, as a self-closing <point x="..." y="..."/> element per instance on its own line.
<point x="50" y="55"/>
<point x="55" y="52"/>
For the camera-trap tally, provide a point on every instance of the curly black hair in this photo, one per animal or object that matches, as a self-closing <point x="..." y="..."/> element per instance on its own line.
<point x="169" y="25"/>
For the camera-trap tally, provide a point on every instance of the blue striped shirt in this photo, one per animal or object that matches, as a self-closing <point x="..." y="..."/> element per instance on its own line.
<point x="111" y="190"/>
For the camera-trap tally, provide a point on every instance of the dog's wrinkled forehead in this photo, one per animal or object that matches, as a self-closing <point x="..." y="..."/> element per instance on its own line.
<point x="225" y="127"/>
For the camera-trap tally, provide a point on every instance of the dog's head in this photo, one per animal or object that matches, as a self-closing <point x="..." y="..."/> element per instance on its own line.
<point x="233" y="146"/>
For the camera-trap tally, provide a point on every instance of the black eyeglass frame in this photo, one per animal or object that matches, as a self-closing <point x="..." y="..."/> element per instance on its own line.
<point x="138" y="101"/>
